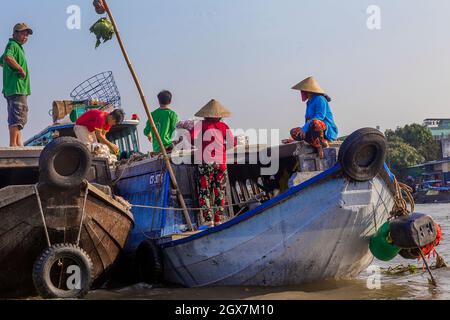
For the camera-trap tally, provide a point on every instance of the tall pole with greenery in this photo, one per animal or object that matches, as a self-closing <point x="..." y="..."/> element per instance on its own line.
<point x="150" y="118"/>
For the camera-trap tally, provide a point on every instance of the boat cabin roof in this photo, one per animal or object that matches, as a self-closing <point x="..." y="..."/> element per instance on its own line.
<point x="68" y="126"/>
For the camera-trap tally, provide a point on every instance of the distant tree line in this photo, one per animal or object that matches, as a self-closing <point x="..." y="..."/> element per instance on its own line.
<point x="409" y="146"/>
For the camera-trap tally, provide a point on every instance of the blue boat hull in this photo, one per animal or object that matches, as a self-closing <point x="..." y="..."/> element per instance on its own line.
<point x="318" y="230"/>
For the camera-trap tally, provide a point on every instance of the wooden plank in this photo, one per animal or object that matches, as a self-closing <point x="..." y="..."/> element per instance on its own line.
<point x="312" y="162"/>
<point x="26" y="152"/>
<point x="27" y="157"/>
<point x="9" y="163"/>
<point x="229" y="197"/>
<point x="105" y="197"/>
<point x="183" y="235"/>
<point x="12" y="194"/>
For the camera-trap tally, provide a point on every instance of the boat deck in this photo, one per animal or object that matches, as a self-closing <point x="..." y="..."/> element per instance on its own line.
<point x="183" y="235"/>
<point x="26" y="157"/>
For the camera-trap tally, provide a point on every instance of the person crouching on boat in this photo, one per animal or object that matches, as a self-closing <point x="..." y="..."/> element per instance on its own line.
<point x="212" y="137"/>
<point x="320" y="128"/>
<point x="93" y="126"/>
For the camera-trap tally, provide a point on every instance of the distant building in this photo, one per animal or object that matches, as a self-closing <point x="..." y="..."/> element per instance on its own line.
<point x="437" y="172"/>
<point x="440" y="129"/>
<point x="445" y="144"/>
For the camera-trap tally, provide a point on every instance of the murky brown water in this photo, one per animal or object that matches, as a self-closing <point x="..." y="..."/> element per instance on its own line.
<point x="407" y="286"/>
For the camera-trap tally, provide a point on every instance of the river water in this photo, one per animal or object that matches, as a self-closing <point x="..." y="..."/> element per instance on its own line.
<point x="403" y="286"/>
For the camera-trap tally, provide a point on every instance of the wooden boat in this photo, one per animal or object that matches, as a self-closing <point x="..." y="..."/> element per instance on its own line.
<point x="20" y="166"/>
<point x="39" y="221"/>
<point x="276" y="230"/>
<point x="433" y="195"/>
<point x="317" y="228"/>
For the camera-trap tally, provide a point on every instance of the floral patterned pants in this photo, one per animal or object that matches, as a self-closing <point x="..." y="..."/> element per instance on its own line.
<point x="212" y="182"/>
<point x="315" y="136"/>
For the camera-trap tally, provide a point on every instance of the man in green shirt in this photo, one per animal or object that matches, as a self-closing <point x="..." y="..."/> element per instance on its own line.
<point x="166" y="122"/>
<point x="16" y="82"/>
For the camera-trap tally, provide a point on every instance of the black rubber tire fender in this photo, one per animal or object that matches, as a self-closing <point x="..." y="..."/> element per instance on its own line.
<point x="363" y="154"/>
<point x="44" y="263"/>
<point x="149" y="263"/>
<point x="65" y="163"/>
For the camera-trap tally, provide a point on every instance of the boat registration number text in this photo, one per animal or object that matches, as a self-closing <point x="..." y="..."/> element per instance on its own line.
<point x="156" y="178"/>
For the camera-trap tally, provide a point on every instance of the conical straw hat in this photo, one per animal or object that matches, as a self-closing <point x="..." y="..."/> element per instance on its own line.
<point x="214" y="109"/>
<point x="309" y="85"/>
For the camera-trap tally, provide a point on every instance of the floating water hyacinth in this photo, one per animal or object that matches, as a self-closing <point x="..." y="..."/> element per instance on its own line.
<point x="103" y="30"/>
<point x="401" y="270"/>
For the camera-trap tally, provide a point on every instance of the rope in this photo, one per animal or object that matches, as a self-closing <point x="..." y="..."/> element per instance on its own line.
<point x="133" y="158"/>
<point x="194" y="209"/>
<point x="433" y="280"/>
<point x="83" y="215"/>
<point x="400" y="202"/>
<point x="41" y="211"/>
<point x="402" y="197"/>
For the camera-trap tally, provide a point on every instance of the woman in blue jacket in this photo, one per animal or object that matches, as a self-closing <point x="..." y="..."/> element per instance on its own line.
<point x="319" y="128"/>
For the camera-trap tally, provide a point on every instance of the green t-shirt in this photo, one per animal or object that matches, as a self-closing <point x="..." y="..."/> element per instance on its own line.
<point x="166" y="122"/>
<point x="12" y="83"/>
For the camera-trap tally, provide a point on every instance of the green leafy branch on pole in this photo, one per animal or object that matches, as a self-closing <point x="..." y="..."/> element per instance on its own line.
<point x="103" y="30"/>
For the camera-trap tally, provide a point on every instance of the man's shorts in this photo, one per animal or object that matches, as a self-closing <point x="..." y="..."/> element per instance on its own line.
<point x="84" y="135"/>
<point x="17" y="111"/>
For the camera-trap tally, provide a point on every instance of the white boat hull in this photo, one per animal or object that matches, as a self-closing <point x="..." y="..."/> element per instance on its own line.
<point x="321" y="232"/>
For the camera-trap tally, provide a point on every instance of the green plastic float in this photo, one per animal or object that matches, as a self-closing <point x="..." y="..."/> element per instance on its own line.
<point x="381" y="246"/>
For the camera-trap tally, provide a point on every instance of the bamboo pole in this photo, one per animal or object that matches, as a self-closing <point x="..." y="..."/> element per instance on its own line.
<point x="433" y="280"/>
<point x="150" y="118"/>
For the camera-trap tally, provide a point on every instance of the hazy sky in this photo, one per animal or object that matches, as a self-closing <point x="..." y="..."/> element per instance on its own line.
<point x="247" y="54"/>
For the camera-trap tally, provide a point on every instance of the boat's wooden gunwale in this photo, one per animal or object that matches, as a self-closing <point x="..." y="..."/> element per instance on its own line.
<point x="111" y="201"/>
<point x="12" y="194"/>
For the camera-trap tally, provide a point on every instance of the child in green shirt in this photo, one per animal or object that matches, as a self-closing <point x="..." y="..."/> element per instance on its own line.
<point x="166" y="122"/>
